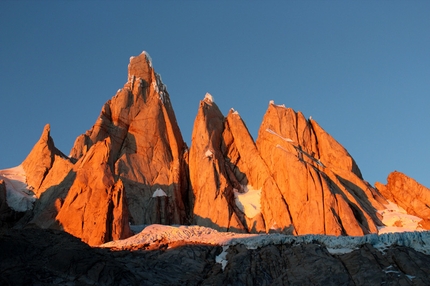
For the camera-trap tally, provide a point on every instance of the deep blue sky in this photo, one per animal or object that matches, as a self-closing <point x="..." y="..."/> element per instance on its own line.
<point x="361" y="69"/>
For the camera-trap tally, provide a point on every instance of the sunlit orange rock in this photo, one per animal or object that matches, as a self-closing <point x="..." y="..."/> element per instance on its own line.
<point x="146" y="146"/>
<point x="41" y="159"/>
<point x="95" y="208"/>
<point x="213" y="193"/>
<point x="133" y="167"/>
<point x="295" y="179"/>
<point x="318" y="179"/>
<point x="218" y="173"/>
<point x="408" y="194"/>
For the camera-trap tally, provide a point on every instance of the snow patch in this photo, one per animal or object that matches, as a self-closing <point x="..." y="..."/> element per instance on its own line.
<point x="208" y="154"/>
<point x="337" y="251"/>
<point x="159" y="193"/>
<point x="271" y="102"/>
<point x="248" y="201"/>
<point x="222" y="257"/>
<point x="148" y="58"/>
<point x="396" y="219"/>
<point x="234" y="111"/>
<point x="276" y="134"/>
<point x="391" y="269"/>
<point x="209" y="98"/>
<point x="160" y="88"/>
<point x="19" y="197"/>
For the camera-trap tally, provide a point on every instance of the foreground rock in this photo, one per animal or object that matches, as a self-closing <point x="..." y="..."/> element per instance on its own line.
<point x="408" y="194"/>
<point x="52" y="257"/>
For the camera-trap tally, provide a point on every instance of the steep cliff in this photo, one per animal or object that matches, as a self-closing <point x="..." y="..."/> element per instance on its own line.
<point x="146" y="146"/>
<point x="296" y="178"/>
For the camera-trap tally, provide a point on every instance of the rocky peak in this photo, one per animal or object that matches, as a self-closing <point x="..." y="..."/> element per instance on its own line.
<point x="295" y="179"/>
<point x="147" y="145"/>
<point x="132" y="166"/>
<point x="41" y="159"/>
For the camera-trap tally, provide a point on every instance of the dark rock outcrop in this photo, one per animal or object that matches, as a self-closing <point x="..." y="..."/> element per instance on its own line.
<point x="8" y="216"/>
<point x="36" y="256"/>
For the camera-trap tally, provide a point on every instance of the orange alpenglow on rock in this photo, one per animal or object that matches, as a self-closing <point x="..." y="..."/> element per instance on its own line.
<point x="319" y="180"/>
<point x="95" y="209"/>
<point x="308" y="182"/>
<point x="408" y="194"/>
<point x="133" y="167"/>
<point x="147" y="145"/>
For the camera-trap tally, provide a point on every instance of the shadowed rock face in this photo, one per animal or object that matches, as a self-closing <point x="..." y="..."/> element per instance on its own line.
<point x="146" y="146"/>
<point x="408" y="194"/>
<point x="53" y="257"/>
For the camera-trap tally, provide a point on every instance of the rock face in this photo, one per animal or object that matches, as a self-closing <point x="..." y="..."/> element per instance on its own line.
<point x="231" y="183"/>
<point x="147" y="149"/>
<point x="319" y="180"/>
<point x="7" y="215"/>
<point x="40" y="160"/>
<point x="295" y="178"/>
<point x="408" y="194"/>
<point x="133" y="167"/>
<point x="95" y="209"/>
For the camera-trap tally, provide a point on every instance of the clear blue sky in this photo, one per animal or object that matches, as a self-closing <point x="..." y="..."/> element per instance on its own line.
<point x="361" y="69"/>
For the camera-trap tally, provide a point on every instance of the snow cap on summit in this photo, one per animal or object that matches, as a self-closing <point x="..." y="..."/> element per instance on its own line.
<point x="209" y="97"/>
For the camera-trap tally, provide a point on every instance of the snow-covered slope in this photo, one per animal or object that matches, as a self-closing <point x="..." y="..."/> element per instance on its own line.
<point x="396" y="219"/>
<point x="420" y="241"/>
<point x="18" y="195"/>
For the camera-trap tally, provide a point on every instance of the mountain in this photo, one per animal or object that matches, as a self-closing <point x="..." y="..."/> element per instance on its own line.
<point x="147" y="149"/>
<point x="132" y="167"/>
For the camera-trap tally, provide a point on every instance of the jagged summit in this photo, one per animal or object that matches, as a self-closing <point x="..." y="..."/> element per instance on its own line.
<point x="132" y="167"/>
